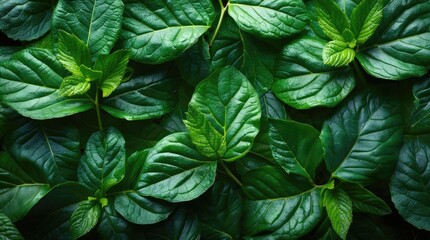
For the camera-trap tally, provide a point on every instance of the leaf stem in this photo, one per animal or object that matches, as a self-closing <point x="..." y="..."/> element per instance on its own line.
<point x="230" y="174"/>
<point x="99" y="119"/>
<point x="221" y="17"/>
<point x="361" y="79"/>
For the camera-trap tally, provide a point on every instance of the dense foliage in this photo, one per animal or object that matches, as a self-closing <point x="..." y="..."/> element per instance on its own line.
<point x="200" y="119"/>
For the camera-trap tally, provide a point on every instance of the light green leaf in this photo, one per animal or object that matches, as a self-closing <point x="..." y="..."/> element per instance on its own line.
<point x="401" y="49"/>
<point x="269" y="19"/>
<point x="103" y="164"/>
<point x="296" y="147"/>
<point x="90" y="74"/>
<point x="409" y="184"/>
<point x="337" y="54"/>
<point x="143" y="97"/>
<point x="332" y="19"/>
<point x="113" y="67"/>
<point x="29" y="83"/>
<point x="207" y="139"/>
<point x="96" y="22"/>
<point x="84" y="218"/>
<point x="231" y="106"/>
<point x="158" y="31"/>
<point x="74" y="85"/>
<point x="303" y="81"/>
<point x="339" y="210"/>
<point x="25" y="20"/>
<point x="362" y="139"/>
<point x="175" y="171"/>
<point x="72" y="53"/>
<point x="7" y="230"/>
<point x="365" y="19"/>
<point x="18" y="191"/>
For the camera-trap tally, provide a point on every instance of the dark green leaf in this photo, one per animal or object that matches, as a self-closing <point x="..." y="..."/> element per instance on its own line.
<point x="337" y="53"/>
<point x="113" y="67"/>
<point x="113" y="226"/>
<point x="251" y="161"/>
<point x="365" y="19"/>
<point x="29" y="83"/>
<point x="45" y="149"/>
<point x="269" y="19"/>
<point x="339" y="210"/>
<point x="296" y="147"/>
<point x="420" y="120"/>
<point x="72" y="53"/>
<point x="6" y="52"/>
<point x="96" y="22"/>
<point x="183" y="224"/>
<point x="143" y="97"/>
<point x="158" y="31"/>
<point x="84" y="218"/>
<point x="25" y="19"/>
<point x="7" y="230"/>
<point x="401" y="49"/>
<point x="409" y="183"/>
<point x="103" y="163"/>
<point x="175" y="171"/>
<point x="6" y="116"/>
<point x="364" y="228"/>
<point x="362" y="139"/>
<point x="303" y="81"/>
<point x="174" y="120"/>
<point x="231" y="106"/>
<point x="331" y="18"/>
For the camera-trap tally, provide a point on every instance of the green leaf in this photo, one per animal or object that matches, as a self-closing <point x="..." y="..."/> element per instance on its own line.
<point x="7" y="230"/>
<point x="72" y="53"/>
<point x="409" y="183"/>
<point x="44" y="149"/>
<point x="362" y="139"/>
<point x="6" y="116"/>
<point x="6" y="52"/>
<point x="174" y="120"/>
<point x="175" y="171"/>
<point x="84" y="218"/>
<point x="113" y="67"/>
<point x="143" y="97"/>
<point x="96" y="22"/>
<point x="29" y="83"/>
<point x="231" y="106"/>
<point x="269" y="19"/>
<point x="337" y="54"/>
<point x="74" y="85"/>
<point x="303" y="81"/>
<point x="365" y="19"/>
<point x="18" y="191"/>
<point x="113" y="226"/>
<point x="102" y="165"/>
<point x="139" y="209"/>
<point x="332" y="19"/>
<point x="158" y="31"/>
<point x="339" y="210"/>
<point x="419" y="119"/>
<point x="364" y="227"/>
<point x="25" y="20"/>
<point x="401" y="49"/>
<point x="296" y="147"/>
<point x="207" y="139"/>
<point x="364" y="200"/>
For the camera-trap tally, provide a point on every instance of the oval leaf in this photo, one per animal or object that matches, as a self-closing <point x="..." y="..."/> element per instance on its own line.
<point x="158" y="31"/>
<point x="175" y="171"/>
<point x="303" y="81"/>
<point x="269" y="19"/>
<point x="409" y="183"/>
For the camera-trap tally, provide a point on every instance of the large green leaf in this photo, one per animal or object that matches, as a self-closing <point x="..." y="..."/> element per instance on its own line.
<point x="365" y="19"/>
<point x="96" y="22"/>
<point x="419" y="119"/>
<point x="303" y="81"/>
<point x="331" y="18"/>
<point x="158" y="31"/>
<point x="410" y="182"/>
<point x="296" y="147"/>
<point x="47" y="149"/>
<point x="84" y="218"/>
<point x="231" y="106"/>
<point x="7" y="230"/>
<point x="18" y="191"/>
<point x="29" y="83"/>
<point x="339" y="210"/>
<point x="175" y="171"/>
<point x="401" y="49"/>
<point x="103" y="163"/>
<point x="268" y="18"/>
<point x="143" y="97"/>
<point x="25" y="19"/>
<point x="362" y="139"/>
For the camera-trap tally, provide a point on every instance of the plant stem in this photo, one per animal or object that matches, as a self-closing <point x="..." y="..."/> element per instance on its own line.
<point x="221" y="17"/>
<point x="99" y="119"/>
<point x="361" y="79"/>
<point x="230" y="174"/>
